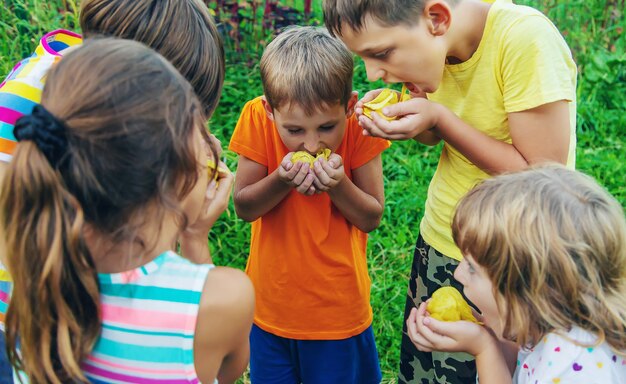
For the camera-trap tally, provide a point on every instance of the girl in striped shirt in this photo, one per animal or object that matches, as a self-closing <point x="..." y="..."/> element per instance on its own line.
<point x="107" y="174"/>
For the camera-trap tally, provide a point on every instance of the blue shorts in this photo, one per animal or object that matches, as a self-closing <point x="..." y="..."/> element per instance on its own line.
<point x="278" y="360"/>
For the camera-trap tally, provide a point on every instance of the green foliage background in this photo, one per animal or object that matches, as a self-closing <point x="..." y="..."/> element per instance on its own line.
<point x="593" y="29"/>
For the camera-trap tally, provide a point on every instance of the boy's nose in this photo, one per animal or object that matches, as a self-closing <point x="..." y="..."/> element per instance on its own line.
<point x="312" y="146"/>
<point x="374" y="72"/>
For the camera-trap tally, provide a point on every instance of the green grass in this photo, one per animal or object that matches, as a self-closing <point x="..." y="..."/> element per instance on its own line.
<point x="592" y="28"/>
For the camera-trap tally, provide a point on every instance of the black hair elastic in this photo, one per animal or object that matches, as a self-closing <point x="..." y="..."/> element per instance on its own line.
<point x="46" y="131"/>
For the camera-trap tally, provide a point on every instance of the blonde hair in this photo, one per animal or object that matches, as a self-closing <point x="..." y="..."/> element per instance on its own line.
<point x="307" y="67"/>
<point x="182" y="31"/>
<point x="128" y="120"/>
<point x="553" y="243"/>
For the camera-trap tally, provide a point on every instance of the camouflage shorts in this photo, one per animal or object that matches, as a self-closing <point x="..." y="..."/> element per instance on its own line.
<point x="430" y="271"/>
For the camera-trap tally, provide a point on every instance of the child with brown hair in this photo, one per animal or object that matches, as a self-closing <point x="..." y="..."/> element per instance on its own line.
<point x="545" y="262"/>
<point x="313" y="322"/>
<point x="109" y="170"/>
<point x="182" y="31"/>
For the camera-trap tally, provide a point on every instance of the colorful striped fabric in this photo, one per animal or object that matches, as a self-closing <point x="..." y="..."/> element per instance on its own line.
<point x="22" y="88"/>
<point x="19" y="93"/>
<point x="149" y="321"/>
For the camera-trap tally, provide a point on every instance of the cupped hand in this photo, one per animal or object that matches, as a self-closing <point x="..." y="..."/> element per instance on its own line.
<point x="429" y="334"/>
<point x="414" y="117"/>
<point x="215" y="202"/>
<point x="298" y="175"/>
<point x="328" y="173"/>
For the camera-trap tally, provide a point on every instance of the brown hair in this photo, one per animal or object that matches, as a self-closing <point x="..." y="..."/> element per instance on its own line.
<point x="308" y="67"/>
<point x="387" y="12"/>
<point x="553" y="243"/>
<point x="129" y="120"/>
<point x="353" y="13"/>
<point x="182" y="31"/>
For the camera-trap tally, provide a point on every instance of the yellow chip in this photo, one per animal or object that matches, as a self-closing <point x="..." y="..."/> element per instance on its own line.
<point x="447" y="304"/>
<point x="385" y="97"/>
<point x="211" y="166"/>
<point x="305" y="157"/>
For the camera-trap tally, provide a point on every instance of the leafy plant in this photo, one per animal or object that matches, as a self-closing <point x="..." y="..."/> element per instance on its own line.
<point x="592" y="28"/>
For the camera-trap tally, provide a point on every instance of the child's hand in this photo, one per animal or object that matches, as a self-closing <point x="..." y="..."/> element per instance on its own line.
<point x="369" y="96"/>
<point x="429" y="334"/>
<point x="414" y="117"/>
<point x="215" y="201"/>
<point x="328" y="173"/>
<point x="298" y="175"/>
<point x="193" y="240"/>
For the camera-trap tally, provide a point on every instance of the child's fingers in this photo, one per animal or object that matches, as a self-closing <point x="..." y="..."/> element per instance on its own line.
<point x="335" y="161"/>
<point x="369" y="96"/>
<point x="317" y="182"/>
<point x="211" y="190"/>
<point x="286" y="163"/>
<point x="293" y="171"/>
<point x="305" y="186"/>
<point x="411" y="326"/>
<point x="422" y="327"/>
<point x="379" y="127"/>
<point x="226" y="181"/>
<point x="302" y="174"/>
<point x="321" y="168"/>
<point x="216" y="143"/>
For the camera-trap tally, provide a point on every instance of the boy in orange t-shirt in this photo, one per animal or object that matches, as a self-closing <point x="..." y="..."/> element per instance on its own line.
<point x="309" y="221"/>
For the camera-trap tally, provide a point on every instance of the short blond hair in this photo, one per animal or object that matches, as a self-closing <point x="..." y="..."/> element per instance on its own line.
<point x="553" y="243"/>
<point x="307" y="67"/>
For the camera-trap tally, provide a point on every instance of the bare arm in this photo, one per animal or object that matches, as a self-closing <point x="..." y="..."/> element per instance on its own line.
<point x="362" y="199"/>
<point x="428" y="137"/>
<point x="256" y="192"/>
<point x="221" y="346"/>
<point x="539" y="135"/>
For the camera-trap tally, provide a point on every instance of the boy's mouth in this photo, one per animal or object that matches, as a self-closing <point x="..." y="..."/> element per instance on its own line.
<point x="413" y="88"/>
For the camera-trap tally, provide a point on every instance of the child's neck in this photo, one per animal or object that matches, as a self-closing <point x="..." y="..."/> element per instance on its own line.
<point x="466" y="32"/>
<point x="112" y="257"/>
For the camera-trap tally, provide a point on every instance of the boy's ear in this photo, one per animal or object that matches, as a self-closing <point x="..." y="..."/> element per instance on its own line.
<point x="268" y="108"/>
<point x="354" y="97"/>
<point x="438" y="15"/>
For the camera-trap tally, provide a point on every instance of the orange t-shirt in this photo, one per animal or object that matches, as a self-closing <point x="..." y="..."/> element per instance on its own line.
<point x="307" y="261"/>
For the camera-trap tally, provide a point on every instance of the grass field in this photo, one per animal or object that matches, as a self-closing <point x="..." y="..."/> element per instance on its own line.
<point x="594" y="29"/>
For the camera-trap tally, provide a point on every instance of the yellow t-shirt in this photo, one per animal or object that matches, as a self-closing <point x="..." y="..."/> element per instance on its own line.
<point x="522" y="62"/>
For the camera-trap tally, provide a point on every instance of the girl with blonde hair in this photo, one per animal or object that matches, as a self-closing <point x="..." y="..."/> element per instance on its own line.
<point x="545" y="262"/>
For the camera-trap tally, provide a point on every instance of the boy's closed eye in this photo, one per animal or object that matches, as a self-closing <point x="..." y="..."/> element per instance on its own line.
<point x="327" y="128"/>
<point x="382" y="55"/>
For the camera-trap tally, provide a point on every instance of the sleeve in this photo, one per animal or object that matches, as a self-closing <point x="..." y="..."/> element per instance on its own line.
<point x="16" y="99"/>
<point x="249" y="136"/>
<point x="537" y="65"/>
<point x="365" y="148"/>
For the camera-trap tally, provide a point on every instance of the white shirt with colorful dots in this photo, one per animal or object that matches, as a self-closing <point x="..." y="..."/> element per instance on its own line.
<point x="557" y="360"/>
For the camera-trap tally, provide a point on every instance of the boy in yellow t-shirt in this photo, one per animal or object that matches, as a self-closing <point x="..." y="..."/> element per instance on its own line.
<point x="312" y="321"/>
<point x="495" y="81"/>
